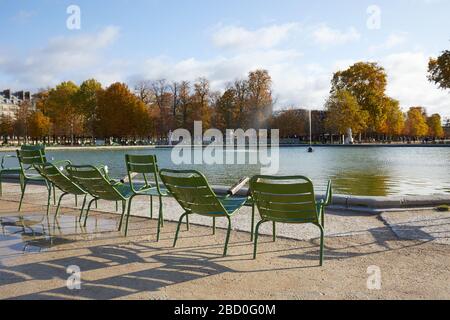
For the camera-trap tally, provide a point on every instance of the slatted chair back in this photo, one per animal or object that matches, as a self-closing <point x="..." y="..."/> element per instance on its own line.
<point x="145" y="166"/>
<point x="192" y="191"/>
<point x="94" y="182"/>
<point x="284" y="199"/>
<point x="58" y="178"/>
<point x="29" y="157"/>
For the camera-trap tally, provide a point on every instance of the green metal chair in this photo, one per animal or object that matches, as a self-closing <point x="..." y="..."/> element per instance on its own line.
<point x="15" y="170"/>
<point x="28" y="157"/>
<point x="98" y="184"/>
<point x="58" y="178"/>
<point x="5" y="170"/>
<point x="288" y="200"/>
<point x="193" y="193"/>
<point x="146" y="166"/>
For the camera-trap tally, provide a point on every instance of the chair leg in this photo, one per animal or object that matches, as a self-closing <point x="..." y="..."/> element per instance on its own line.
<point x="323" y="216"/>
<point x="214" y="225"/>
<point x="256" y="237"/>
<point x="228" y="237"/>
<point x="76" y="200"/>
<point x="160" y="218"/>
<point x="59" y="203"/>
<point x="162" y="214"/>
<point x="117" y="206"/>
<point x="187" y="223"/>
<point x="178" y="228"/>
<point x="274" y="231"/>
<point x="23" y="193"/>
<point x="87" y="211"/>
<point x="123" y="214"/>
<point x="252" y="231"/>
<point x="151" y="208"/>
<point x="124" y="208"/>
<point x="54" y="193"/>
<point x="1" y="191"/>
<point x="49" y="197"/>
<point x="82" y="208"/>
<point x="128" y="215"/>
<point x="321" y="244"/>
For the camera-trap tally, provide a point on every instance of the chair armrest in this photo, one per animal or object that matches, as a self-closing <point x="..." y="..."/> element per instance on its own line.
<point x="329" y="195"/>
<point x="66" y="162"/>
<point x="238" y="186"/>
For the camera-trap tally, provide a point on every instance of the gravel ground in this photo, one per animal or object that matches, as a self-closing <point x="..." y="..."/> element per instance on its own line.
<point x="409" y="249"/>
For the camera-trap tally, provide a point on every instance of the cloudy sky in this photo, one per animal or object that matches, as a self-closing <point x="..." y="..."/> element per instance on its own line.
<point x="301" y="43"/>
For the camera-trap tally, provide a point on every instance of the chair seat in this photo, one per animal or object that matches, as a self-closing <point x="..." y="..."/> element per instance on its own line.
<point x="124" y="190"/>
<point x="153" y="192"/>
<point x="10" y="170"/>
<point x="232" y="204"/>
<point x="36" y="177"/>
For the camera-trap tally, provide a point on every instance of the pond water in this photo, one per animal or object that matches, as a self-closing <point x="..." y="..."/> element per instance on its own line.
<point x="370" y="171"/>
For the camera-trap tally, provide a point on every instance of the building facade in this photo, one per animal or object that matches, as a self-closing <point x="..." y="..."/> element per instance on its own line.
<point x="10" y="102"/>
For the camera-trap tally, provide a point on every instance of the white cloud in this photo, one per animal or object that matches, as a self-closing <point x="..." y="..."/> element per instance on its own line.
<point x="296" y="82"/>
<point x="326" y="36"/>
<point x="407" y="82"/>
<point x="235" y="37"/>
<point x="392" y="41"/>
<point x="62" y="58"/>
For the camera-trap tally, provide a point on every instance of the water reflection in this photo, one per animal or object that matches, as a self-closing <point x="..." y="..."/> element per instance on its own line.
<point x="374" y="183"/>
<point x="36" y="232"/>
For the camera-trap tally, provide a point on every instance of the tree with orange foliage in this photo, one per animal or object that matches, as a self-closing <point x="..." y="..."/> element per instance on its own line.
<point x="120" y="114"/>
<point x="290" y="122"/>
<point x="435" y="126"/>
<point x="394" y="123"/>
<point x="39" y="125"/>
<point x="416" y="122"/>
<point x="61" y="106"/>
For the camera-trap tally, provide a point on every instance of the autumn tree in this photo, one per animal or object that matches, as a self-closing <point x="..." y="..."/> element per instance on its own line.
<point x="39" y="125"/>
<point x="241" y="87"/>
<point x="62" y="108"/>
<point x="290" y="122"/>
<point x="394" y="123"/>
<point x="344" y="112"/>
<point x="260" y="101"/>
<point x="435" y="128"/>
<point x="22" y="115"/>
<point x="226" y="112"/>
<point x="367" y="82"/>
<point x="416" y="122"/>
<point x="439" y="70"/>
<point x="6" y="127"/>
<point x="120" y="114"/>
<point x="85" y="101"/>
<point x="201" y="103"/>
<point x="184" y="104"/>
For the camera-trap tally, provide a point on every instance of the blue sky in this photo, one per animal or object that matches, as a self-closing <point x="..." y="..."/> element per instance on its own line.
<point x="300" y="43"/>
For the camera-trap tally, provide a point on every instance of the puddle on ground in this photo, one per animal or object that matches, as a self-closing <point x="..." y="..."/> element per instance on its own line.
<point x="39" y="232"/>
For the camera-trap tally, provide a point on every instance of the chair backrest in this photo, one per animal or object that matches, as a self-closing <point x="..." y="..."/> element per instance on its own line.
<point x="284" y="199"/>
<point x="93" y="181"/>
<point x="31" y="147"/>
<point x="145" y="165"/>
<point x="192" y="191"/>
<point x="57" y="177"/>
<point x="30" y="156"/>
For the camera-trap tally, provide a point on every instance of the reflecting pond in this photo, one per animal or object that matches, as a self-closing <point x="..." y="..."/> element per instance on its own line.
<point x="373" y="171"/>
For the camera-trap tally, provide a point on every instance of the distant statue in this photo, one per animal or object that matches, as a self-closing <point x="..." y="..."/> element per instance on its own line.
<point x="349" y="138"/>
<point x="170" y="137"/>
